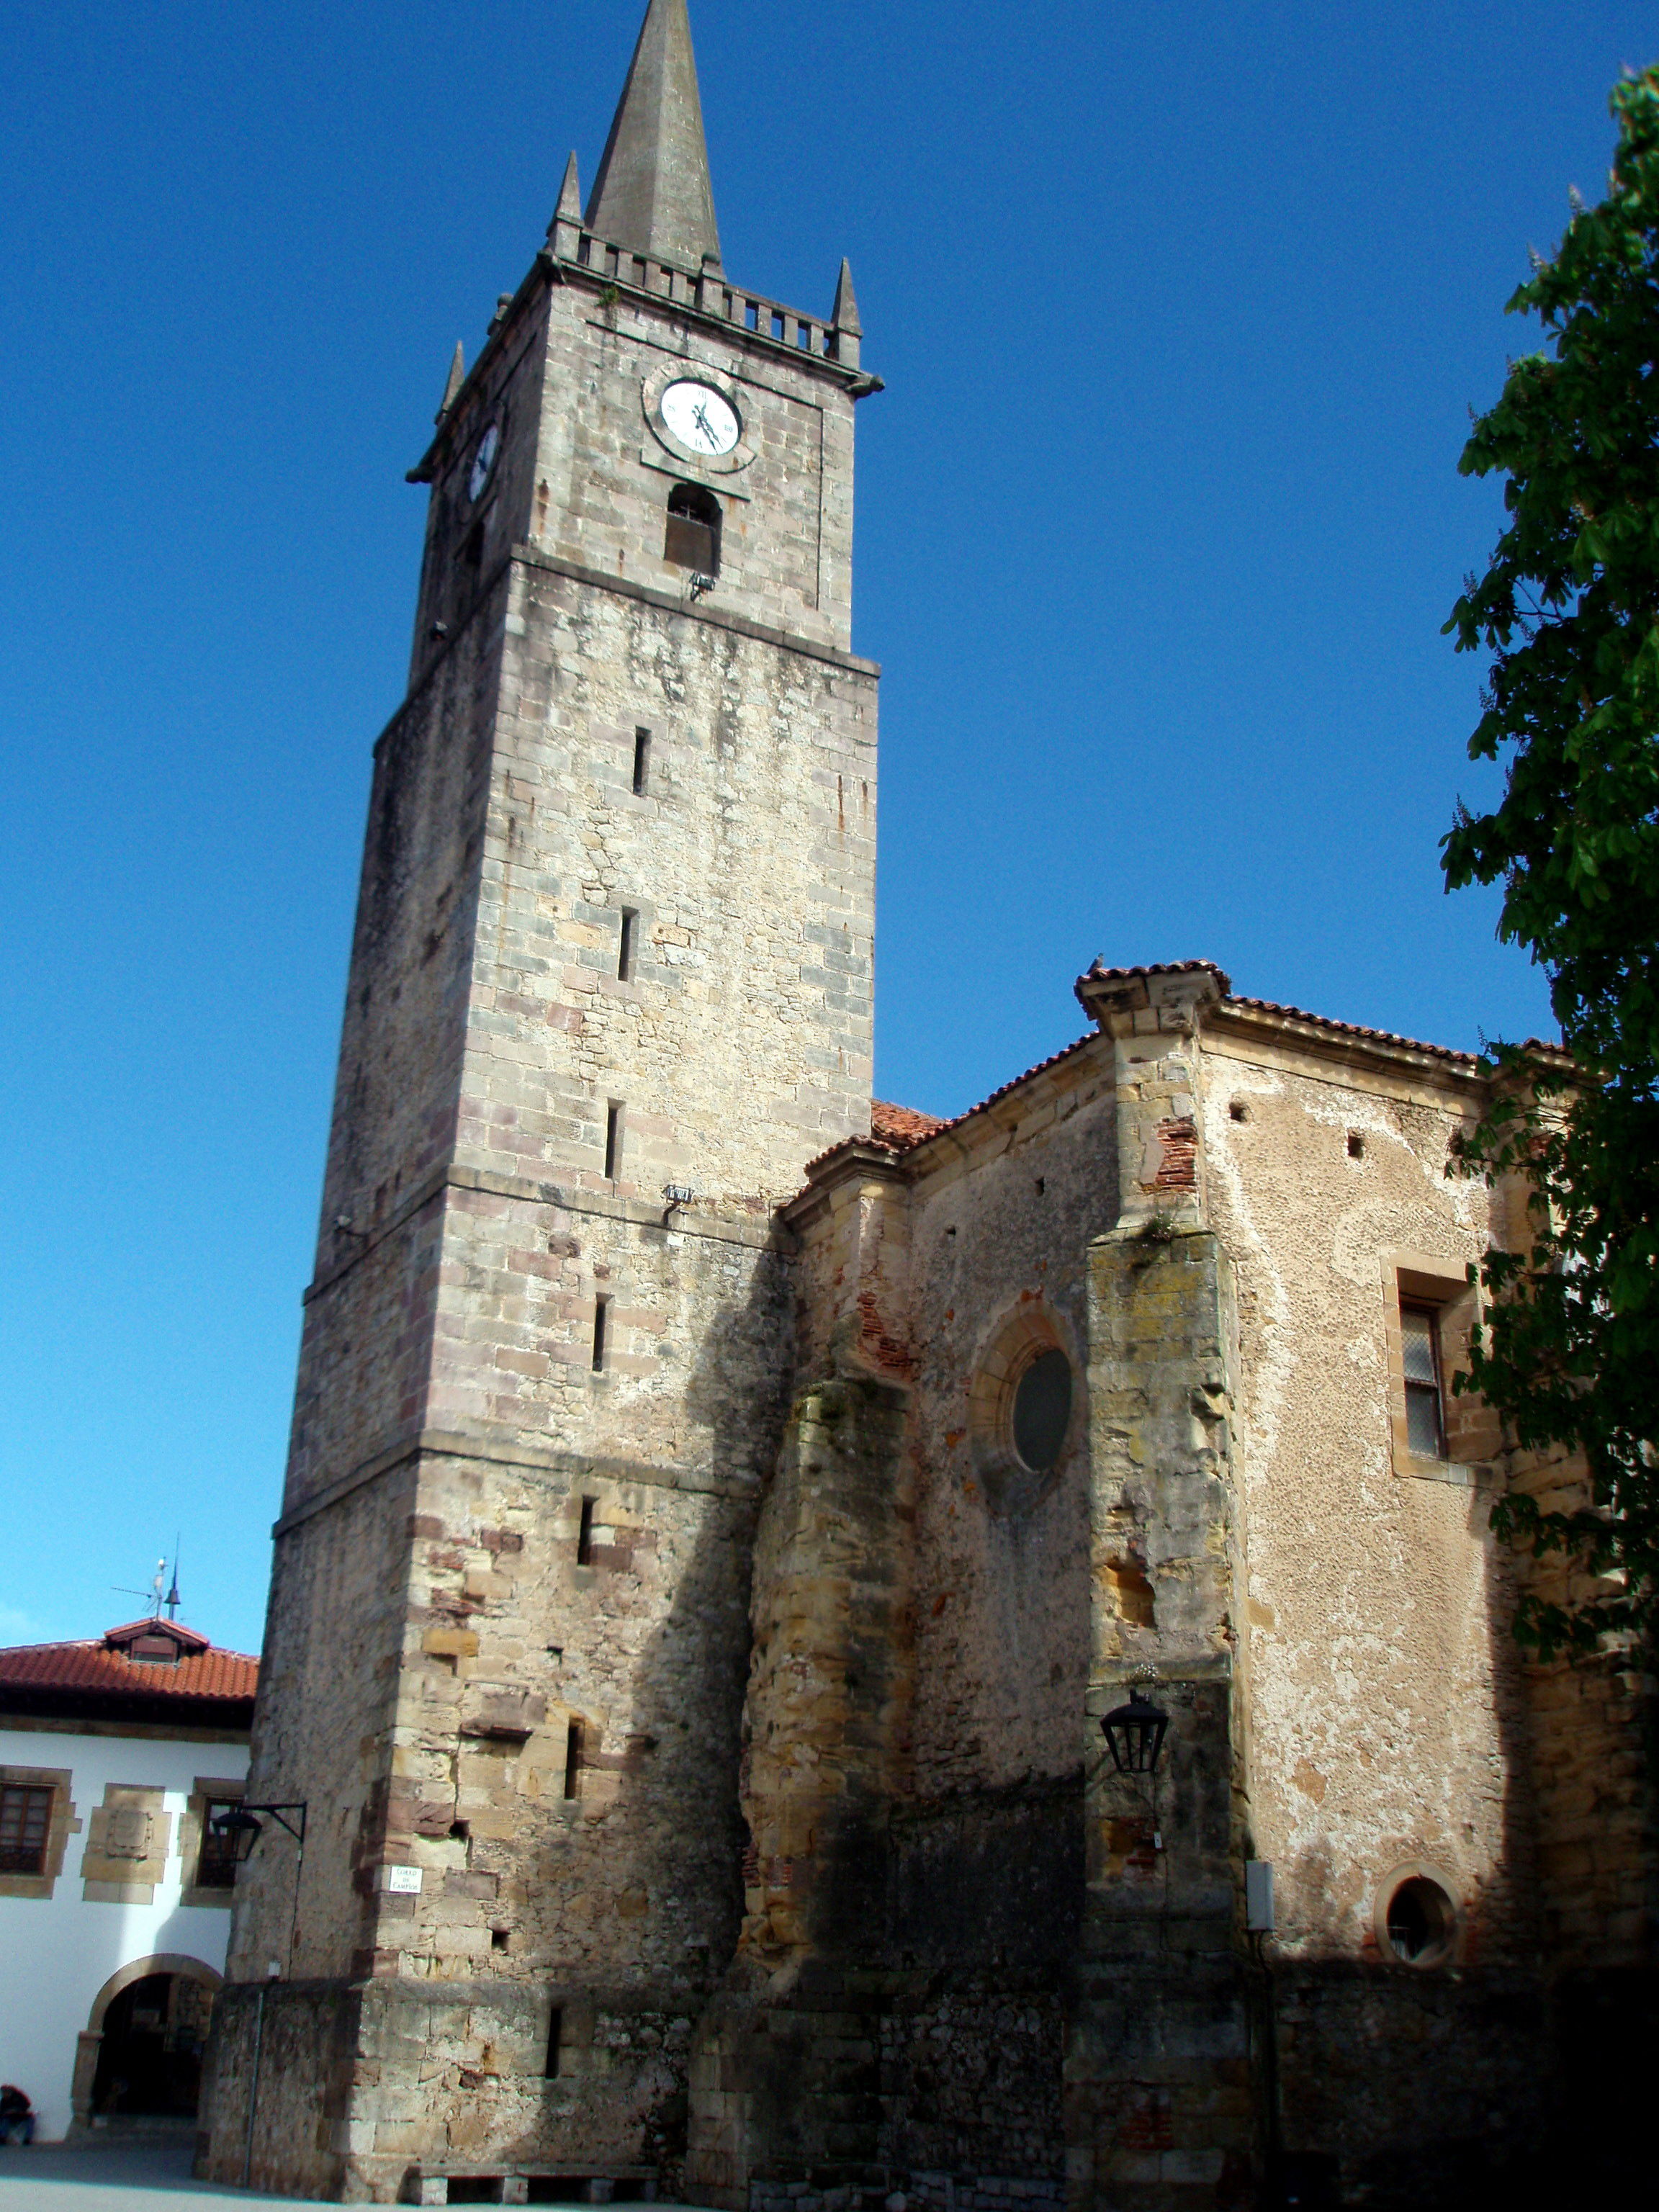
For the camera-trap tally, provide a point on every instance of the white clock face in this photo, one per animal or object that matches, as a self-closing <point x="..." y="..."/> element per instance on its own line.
<point x="484" y="460"/>
<point x="700" y="417"/>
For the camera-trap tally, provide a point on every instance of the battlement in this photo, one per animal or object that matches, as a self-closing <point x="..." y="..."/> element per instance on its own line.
<point x="706" y="293"/>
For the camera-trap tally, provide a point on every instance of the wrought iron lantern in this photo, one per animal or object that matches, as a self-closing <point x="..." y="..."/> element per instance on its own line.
<point x="238" y="1830"/>
<point x="1135" y="1733"/>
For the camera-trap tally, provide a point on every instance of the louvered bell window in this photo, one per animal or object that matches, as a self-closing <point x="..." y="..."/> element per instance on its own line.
<point x="693" y="539"/>
<point x="1426" y="1427"/>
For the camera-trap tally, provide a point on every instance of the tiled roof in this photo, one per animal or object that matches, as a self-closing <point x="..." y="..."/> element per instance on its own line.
<point x="901" y="1125"/>
<point x="899" y="1129"/>
<point x="1354" y="1029"/>
<point x="1097" y="967"/>
<point x="99" y="1670"/>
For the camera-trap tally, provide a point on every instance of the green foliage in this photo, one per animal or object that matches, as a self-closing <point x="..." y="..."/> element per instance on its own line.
<point x="1569" y="609"/>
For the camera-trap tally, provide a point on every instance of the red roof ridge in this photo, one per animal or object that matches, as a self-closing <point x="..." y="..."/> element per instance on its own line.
<point x="907" y="1142"/>
<point x="897" y="1130"/>
<point x="1353" y="1028"/>
<point x="1097" y="967"/>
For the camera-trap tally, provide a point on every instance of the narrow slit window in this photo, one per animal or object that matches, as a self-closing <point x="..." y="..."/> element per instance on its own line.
<point x="627" y="940"/>
<point x="585" y="1536"/>
<point x="613" y="1139"/>
<point x="1425" y="1418"/>
<point x="555" y="2030"/>
<point x="601" y="1308"/>
<point x="641" y="760"/>
<point x="573" y="1759"/>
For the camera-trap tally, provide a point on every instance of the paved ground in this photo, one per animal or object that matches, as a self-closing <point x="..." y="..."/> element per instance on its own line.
<point x="152" y="2176"/>
<point x="144" y="2176"/>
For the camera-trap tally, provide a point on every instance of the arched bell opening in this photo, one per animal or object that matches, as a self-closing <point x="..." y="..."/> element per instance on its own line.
<point x="693" y="539"/>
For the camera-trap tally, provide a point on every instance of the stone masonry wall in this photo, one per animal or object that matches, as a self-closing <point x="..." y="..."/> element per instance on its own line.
<point x="512" y="1356"/>
<point x="1001" y="1228"/>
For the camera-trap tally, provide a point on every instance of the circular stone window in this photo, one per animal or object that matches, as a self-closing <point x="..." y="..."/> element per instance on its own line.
<point x="1042" y="1411"/>
<point x="1421" y="1922"/>
<point x="1021" y="1412"/>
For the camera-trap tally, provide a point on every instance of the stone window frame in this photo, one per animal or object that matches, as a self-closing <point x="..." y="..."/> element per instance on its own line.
<point x="206" y="1790"/>
<point x="1450" y="1955"/>
<point x="1473" y="1438"/>
<point x="60" y="1827"/>
<point x="1010" y="1488"/>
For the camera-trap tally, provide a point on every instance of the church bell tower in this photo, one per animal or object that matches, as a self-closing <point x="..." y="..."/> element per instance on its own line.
<point x="610" y="992"/>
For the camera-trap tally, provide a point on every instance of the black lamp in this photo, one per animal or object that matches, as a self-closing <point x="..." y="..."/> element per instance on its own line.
<point x="1135" y="1733"/>
<point x="240" y="1831"/>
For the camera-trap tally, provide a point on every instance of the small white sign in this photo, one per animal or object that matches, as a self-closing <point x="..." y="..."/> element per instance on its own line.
<point x="1259" y="1897"/>
<point x="404" y="1881"/>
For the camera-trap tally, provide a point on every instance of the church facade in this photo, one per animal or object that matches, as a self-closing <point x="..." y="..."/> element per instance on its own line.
<point x="722" y="1512"/>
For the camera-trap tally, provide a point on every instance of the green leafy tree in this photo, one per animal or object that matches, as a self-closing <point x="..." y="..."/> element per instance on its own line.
<point x="1568" y="612"/>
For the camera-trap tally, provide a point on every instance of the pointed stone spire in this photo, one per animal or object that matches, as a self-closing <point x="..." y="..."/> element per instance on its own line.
<point x="457" y="378"/>
<point x="565" y="231"/>
<point x="844" y="315"/>
<point x="844" y="318"/>
<point x="652" y="194"/>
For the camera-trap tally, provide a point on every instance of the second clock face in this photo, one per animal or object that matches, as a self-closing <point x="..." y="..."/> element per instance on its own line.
<point x="484" y="461"/>
<point x="700" y="417"/>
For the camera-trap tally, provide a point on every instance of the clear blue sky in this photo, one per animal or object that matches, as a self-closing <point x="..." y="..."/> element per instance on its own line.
<point x="1180" y="310"/>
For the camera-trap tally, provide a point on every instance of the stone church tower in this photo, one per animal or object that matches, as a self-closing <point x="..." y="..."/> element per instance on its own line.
<point x="725" y="1514"/>
<point x="610" y="990"/>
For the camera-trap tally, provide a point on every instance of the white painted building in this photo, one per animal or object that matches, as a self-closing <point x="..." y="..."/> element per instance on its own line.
<point x="114" y="1890"/>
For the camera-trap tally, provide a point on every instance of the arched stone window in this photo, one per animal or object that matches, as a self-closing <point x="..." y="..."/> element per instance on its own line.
<point x="1024" y="1409"/>
<point x="693" y="540"/>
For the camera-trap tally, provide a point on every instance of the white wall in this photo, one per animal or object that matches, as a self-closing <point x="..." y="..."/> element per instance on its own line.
<point x="56" y="1952"/>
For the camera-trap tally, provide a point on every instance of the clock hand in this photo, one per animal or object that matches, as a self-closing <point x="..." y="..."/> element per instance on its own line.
<point x="704" y="425"/>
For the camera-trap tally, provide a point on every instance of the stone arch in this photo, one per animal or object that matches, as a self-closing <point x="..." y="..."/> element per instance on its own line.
<point x="90" y="2041"/>
<point x="1015" y="1341"/>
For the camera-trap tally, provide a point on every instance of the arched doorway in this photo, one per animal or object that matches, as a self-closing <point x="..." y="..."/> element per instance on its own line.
<point x="140" y="2055"/>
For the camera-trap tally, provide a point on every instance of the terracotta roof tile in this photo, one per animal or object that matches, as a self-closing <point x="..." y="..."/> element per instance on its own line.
<point x="1097" y="967"/>
<point x="901" y="1125"/>
<point x="909" y="1128"/>
<point x="1354" y="1029"/>
<point x="96" y="1669"/>
<point x="900" y="1129"/>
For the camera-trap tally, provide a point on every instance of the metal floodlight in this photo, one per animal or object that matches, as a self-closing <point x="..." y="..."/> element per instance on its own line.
<point x="1135" y="1733"/>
